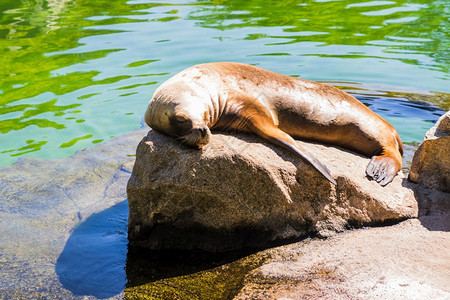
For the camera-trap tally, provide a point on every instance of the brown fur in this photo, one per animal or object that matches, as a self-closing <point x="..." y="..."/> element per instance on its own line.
<point x="242" y="97"/>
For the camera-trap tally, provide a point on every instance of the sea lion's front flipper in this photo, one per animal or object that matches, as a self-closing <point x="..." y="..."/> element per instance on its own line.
<point x="284" y="140"/>
<point x="306" y="156"/>
<point x="259" y="120"/>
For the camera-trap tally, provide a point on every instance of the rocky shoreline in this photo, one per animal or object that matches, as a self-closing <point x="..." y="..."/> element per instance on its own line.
<point x="44" y="203"/>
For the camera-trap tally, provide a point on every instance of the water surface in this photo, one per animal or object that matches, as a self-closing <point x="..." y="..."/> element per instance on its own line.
<point x="75" y="73"/>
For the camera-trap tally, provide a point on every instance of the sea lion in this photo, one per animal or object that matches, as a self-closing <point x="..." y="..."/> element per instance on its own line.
<point x="242" y="97"/>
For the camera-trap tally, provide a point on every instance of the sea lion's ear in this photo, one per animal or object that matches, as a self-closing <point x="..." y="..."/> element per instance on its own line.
<point x="166" y="113"/>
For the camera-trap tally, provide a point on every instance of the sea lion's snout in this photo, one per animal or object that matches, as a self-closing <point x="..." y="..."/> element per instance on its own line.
<point x="198" y="137"/>
<point x="203" y="131"/>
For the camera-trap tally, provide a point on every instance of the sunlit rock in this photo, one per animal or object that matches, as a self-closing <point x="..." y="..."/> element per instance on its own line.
<point x="242" y="192"/>
<point x="431" y="163"/>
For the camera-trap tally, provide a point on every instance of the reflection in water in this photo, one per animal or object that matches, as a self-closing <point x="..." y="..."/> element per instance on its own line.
<point x="77" y="72"/>
<point x="410" y="118"/>
<point x="189" y="274"/>
<point x="93" y="260"/>
<point x="36" y="39"/>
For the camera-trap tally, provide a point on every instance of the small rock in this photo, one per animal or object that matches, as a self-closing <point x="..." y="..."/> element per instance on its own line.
<point x="240" y="191"/>
<point x="431" y="162"/>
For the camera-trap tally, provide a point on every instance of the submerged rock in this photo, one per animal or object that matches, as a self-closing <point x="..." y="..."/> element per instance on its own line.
<point x="431" y="162"/>
<point x="43" y="205"/>
<point x="240" y="191"/>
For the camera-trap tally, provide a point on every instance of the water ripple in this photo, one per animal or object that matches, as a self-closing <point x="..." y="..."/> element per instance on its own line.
<point x="106" y="58"/>
<point x="395" y="10"/>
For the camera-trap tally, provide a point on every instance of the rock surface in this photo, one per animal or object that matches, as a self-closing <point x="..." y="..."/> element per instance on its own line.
<point x="242" y="192"/>
<point x="431" y="162"/>
<point x="405" y="261"/>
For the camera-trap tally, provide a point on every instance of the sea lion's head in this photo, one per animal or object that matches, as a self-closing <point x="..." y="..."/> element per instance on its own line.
<point x="184" y="118"/>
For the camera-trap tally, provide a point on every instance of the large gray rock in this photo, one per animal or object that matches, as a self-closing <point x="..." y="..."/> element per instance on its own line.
<point x="431" y="162"/>
<point x="242" y="192"/>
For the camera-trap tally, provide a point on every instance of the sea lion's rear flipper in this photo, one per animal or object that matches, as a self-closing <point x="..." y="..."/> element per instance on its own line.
<point x="259" y="120"/>
<point x="383" y="168"/>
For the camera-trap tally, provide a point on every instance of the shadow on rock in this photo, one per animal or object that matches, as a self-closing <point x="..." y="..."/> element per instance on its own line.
<point x="434" y="209"/>
<point x="144" y="266"/>
<point x="434" y="206"/>
<point x="92" y="262"/>
<point x="193" y="274"/>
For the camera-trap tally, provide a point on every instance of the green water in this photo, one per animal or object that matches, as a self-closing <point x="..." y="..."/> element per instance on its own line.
<point x="74" y="73"/>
